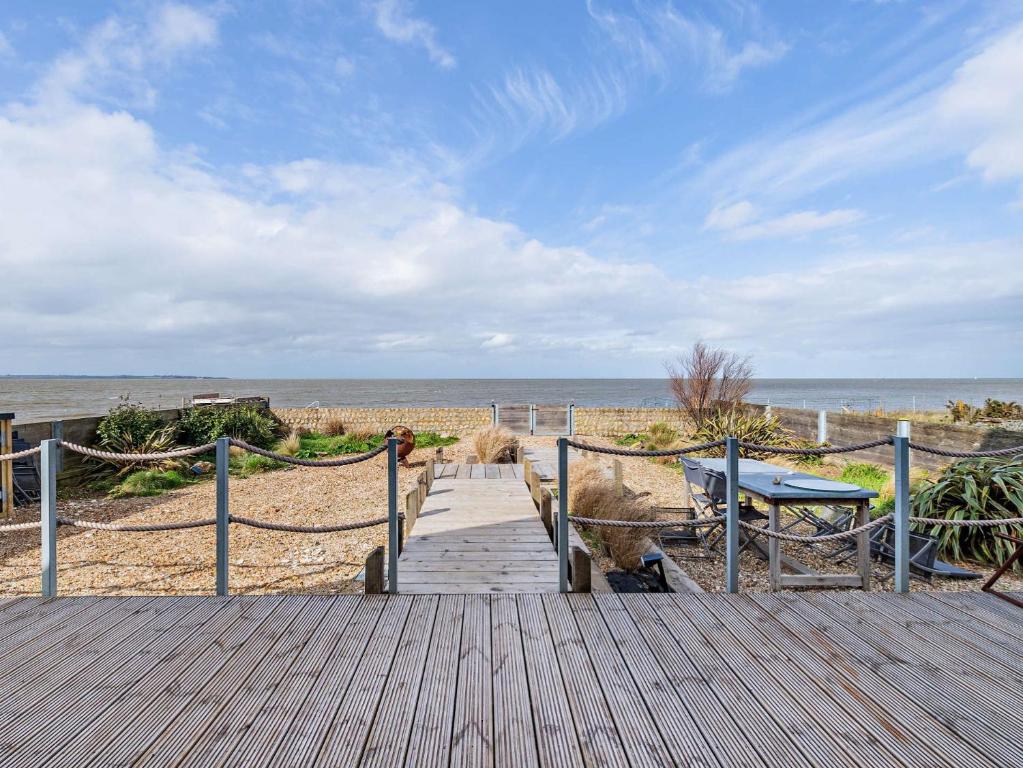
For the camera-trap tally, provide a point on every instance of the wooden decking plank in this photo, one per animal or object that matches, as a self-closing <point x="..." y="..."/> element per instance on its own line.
<point x="447" y="470"/>
<point x="736" y="673"/>
<point x="949" y="746"/>
<point x="515" y="742"/>
<point x="72" y="653"/>
<point x="276" y="715"/>
<point x="556" y="738"/>
<point x="472" y="732"/>
<point x="430" y="741"/>
<point x="943" y="691"/>
<point x="642" y="740"/>
<point x="471" y="566"/>
<point x="302" y="741"/>
<point x="353" y="719"/>
<point x="492" y="471"/>
<point x="41" y="730"/>
<point x="477" y="472"/>
<point x="999" y="683"/>
<point x="988" y="609"/>
<point x="50" y="620"/>
<point x="464" y="471"/>
<point x="993" y="643"/>
<point x="598" y="735"/>
<point x="389" y="736"/>
<point x="880" y="726"/>
<point x="671" y="714"/>
<point x="505" y="472"/>
<point x="207" y="726"/>
<point x="518" y="471"/>
<point x="17" y="606"/>
<point x="152" y="705"/>
<point x="718" y="702"/>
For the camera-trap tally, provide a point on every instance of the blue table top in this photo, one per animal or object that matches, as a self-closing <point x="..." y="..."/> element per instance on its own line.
<point x="762" y="484"/>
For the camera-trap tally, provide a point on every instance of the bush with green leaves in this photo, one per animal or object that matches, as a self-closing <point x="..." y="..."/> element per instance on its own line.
<point x="973" y="489"/>
<point x="205" y="423"/>
<point x="128" y="422"/>
<point x="314" y="445"/>
<point x="148" y="482"/>
<point x="749" y="426"/>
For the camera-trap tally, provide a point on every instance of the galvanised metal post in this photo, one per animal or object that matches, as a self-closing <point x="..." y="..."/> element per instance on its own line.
<point x="571" y="419"/>
<point x="732" y="514"/>
<point x="48" y="517"/>
<point x="393" y="533"/>
<point x="902" y="429"/>
<point x="822" y="426"/>
<point x="223" y="515"/>
<point x="901" y="445"/>
<point x="493" y="413"/>
<point x="532" y="418"/>
<point x="57" y="433"/>
<point x="562" y="514"/>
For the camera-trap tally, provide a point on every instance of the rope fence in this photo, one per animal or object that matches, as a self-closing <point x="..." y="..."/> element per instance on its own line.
<point x="819" y="451"/>
<point x="309" y="462"/>
<point x="633" y="452"/>
<point x="20" y="454"/>
<point x="289" y="528"/>
<point x="598" y="523"/>
<point x="111" y="456"/>
<point x="1017" y="450"/>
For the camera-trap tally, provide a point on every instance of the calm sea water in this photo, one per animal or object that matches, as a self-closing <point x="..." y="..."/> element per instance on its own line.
<point x="33" y="399"/>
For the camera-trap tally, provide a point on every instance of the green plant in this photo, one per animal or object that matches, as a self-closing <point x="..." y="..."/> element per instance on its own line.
<point x="748" y="426"/>
<point x="1000" y="409"/>
<point x="973" y="489"/>
<point x="658" y="437"/>
<point x="314" y="444"/>
<point x="869" y="476"/>
<point x="961" y="411"/>
<point x="205" y="423"/>
<point x="160" y="440"/>
<point x="254" y="464"/>
<point x="148" y="482"/>
<point x="128" y="421"/>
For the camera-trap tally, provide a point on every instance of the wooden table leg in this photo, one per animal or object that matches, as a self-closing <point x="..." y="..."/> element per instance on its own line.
<point x="863" y="544"/>
<point x="774" y="549"/>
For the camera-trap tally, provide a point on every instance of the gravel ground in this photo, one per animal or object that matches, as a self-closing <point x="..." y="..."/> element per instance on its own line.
<point x="665" y="488"/>
<point x="183" y="562"/>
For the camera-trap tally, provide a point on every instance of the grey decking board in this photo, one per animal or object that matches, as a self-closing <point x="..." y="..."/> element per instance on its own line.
<point x="472" y="729"/>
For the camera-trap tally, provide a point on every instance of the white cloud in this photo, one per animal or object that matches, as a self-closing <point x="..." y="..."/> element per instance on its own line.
<point x="728" y="217"/>
<point x="498" y="341"/>
<point x="741" y="222"/>
<point x="395" y="22"/>
<point x="115" y="54"/>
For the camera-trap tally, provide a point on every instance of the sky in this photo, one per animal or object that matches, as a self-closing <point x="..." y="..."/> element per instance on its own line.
<point x="375" y="188"/>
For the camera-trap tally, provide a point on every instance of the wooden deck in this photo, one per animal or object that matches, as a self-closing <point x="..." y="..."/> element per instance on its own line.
<point x="473" y="537"/>
<point x="846" y="679"/>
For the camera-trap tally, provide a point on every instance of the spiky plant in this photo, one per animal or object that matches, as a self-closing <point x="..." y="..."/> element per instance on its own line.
<point x="973" y="489"/>
<point x="159" y="440"/>
<point x="749" y="426"/>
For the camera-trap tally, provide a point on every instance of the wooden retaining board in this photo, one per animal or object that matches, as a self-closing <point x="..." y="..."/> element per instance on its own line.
<point x="515" y="680"/>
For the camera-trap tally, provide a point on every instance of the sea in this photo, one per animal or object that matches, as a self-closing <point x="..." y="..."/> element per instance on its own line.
<point x="43" y="399"/>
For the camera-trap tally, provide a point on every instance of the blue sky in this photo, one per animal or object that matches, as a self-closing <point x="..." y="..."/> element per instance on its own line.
<point x="386" y="187"/>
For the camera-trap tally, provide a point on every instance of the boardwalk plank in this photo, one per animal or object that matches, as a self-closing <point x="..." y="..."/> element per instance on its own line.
<point x="515" y="742"/>
<point x="430" y="742"/>
<point x="472" y="733"/>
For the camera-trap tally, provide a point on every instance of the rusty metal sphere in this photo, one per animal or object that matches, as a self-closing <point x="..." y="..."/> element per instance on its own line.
<point x="405" y="434"/>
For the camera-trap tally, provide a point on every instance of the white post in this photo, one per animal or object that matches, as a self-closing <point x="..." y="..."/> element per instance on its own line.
<point x="48" y="517"/>
<point x="822" y="426"/>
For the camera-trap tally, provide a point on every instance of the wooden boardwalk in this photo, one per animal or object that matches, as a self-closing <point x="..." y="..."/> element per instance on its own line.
<point x="839" y="679"/>
<point x="478" y="531"/>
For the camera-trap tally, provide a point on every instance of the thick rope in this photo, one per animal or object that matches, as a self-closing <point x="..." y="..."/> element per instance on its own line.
<point x="288" y="528"/>
<point x="21" y="526"/>
<point x="992" y="523"/>
<point x="141" y="528"/>
<point x="20" y="454"/>
<point x="850" y="534"/>
<point x="109" y="456"/>
<point x="822" y="451"/>
<point x="629" y="452"/>
<point x="310" y="462"/>
<point x="967" y="454"/>
<point x="597" y="523"/>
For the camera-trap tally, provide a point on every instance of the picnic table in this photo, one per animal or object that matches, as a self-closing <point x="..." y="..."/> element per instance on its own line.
<point x="770" y="484"/>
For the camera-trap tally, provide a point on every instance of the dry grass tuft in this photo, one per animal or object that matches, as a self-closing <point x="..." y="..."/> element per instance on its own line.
<point x="290" y="445"/>
<point x="495" y="445"/>
<point x="592" y="494"/>
<point x="334" y="427"/>
<point x="361" y="435"/>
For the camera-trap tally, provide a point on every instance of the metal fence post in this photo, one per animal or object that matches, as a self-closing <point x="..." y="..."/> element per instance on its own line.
<point x="392" y="515"/>
<point x="732" y="514"/>
<point x="571" y="419"/>
<point x="48" y="517"/>
<point x="223" y="515"/>
<point x="902" y="429"/>
<point x="493" y="413"/>
<point x="562" y="514"/>
<point x="57" y="433"/>
<point x="822" y="426"/>
<point x="900" y="444"/>
<point x="532" y="418"/>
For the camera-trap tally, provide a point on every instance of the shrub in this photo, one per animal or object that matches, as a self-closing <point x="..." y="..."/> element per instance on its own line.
<point x="204" y="424"/>
<point x="999" y="409"/>
<point x="973" y="489"/>
<point x="290" y="445"/>
<point x="869" y="476"/>
<point x="434" y="440"/>
<point x="315" y="444"/>
<point x="159" y="440"/>
<point x="254" y="464"/>
<point x="591" y="494"/>
<point x="705" y="380"/>
<point x="747" y="425"/>
<point x="148" y="482"/>
<point x="334" y="427"/>
<point x="658" y="437"/>
<point x="128" y="422"/>
<point x="495" y="445"/>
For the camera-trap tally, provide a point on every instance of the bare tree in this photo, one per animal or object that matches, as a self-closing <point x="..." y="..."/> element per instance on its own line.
<point x="706" y="379"/>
